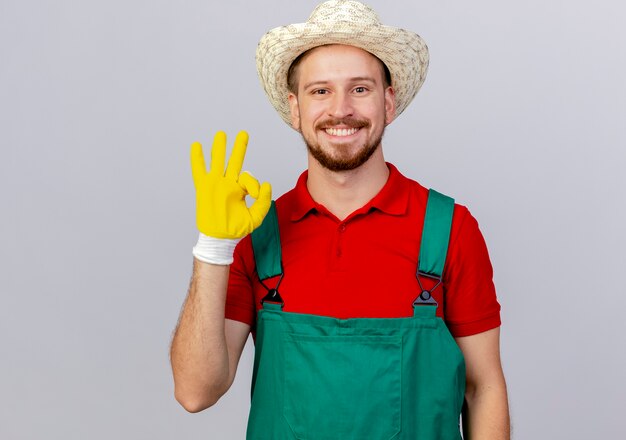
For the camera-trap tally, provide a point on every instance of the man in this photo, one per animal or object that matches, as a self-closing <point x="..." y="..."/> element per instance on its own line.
<point x="342" y="277"/>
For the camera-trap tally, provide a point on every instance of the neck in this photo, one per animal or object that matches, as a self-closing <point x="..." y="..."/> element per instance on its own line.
<point x="343" y="192"/>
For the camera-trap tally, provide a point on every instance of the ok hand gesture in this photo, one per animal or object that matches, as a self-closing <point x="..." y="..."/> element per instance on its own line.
<point x="221" y="209"/>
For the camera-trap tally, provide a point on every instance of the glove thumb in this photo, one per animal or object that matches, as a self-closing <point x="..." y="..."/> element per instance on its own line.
<point x="261" y="205"/>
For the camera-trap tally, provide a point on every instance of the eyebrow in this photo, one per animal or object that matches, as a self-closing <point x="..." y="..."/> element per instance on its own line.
<point x="353" y="79"/>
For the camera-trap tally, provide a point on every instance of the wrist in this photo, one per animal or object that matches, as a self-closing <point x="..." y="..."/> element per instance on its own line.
<point x="215" y="250"/>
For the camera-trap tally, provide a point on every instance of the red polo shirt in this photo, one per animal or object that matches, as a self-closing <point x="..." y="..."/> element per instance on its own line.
<point x="364" y="266"/>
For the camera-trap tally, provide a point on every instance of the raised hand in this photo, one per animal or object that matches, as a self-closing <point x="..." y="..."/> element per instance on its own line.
<point x="221" y="210"/>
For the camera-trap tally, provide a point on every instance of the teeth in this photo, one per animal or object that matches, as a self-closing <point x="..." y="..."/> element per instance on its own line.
<point x="341" y="131"/>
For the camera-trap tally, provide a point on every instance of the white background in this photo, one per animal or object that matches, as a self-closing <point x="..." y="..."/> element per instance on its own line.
<point x="521" y="118"/>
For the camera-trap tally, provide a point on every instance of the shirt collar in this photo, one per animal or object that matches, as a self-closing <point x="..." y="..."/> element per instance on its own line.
<point x="392" y="199"/>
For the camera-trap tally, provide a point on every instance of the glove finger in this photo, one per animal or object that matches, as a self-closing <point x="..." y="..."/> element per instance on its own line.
<point x="261" y="206"/>
<point x="218" y="154"/>
<point x="249" y="183"/>
<point x="198" y="167"/>
<point x="236" y="158"/>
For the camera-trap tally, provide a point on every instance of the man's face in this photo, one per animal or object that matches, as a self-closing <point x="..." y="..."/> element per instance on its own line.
<point x="342" y="105"/>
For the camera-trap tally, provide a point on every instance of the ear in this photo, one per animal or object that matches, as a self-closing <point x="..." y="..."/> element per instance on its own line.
<point x="390" y="105"/>
<point x="295" y="111"/>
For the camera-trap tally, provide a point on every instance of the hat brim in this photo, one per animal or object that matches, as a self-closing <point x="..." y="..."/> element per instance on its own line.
<point x="404" y="53"/>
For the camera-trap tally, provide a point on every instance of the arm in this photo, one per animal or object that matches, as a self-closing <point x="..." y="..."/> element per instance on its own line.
<point x="487" y="412"/>
<point x="206" y="347"/>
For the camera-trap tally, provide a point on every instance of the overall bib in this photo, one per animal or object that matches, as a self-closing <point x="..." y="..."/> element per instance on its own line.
<point x="322" y="378"/>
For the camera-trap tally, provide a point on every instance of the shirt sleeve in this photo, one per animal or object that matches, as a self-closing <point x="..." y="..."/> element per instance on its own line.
<point x="471" y="305"/>
<point x="240" y="295"/>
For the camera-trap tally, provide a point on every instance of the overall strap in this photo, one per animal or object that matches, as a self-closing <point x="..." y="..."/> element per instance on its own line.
<point x="435" y="240"/>
<point x="436" y="234"/>
<point x="267" y="253"/>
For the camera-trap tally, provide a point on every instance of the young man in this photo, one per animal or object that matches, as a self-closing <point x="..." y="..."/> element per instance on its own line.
<point x="347" y="279"/>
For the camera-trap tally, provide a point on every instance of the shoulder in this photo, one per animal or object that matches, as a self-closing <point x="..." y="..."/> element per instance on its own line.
<point x="418" y="198"/>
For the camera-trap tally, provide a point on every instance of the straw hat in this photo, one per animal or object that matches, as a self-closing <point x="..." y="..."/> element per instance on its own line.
<point x="342" y="22"/>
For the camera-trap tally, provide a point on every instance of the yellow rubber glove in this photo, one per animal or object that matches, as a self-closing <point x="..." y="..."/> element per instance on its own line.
<point x="221" y="210"/>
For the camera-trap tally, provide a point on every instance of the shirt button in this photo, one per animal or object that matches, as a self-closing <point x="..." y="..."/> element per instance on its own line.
<point x="342" y="228"/>
<point x="339" y="252"/>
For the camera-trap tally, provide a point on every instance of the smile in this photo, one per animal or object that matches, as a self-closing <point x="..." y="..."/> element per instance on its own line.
<point x="341" y="131"/>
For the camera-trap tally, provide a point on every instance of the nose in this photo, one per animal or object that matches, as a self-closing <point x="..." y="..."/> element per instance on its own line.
<point x="341" y="105"/>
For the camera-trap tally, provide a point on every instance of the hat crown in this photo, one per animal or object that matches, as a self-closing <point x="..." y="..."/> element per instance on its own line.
<point x="344" y="10"/>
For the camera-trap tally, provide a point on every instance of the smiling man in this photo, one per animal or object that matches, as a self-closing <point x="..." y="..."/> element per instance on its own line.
<point x="330" y="106"/>
<point x="370" y="297"/>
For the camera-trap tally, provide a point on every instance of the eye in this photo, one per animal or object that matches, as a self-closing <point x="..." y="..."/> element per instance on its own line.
<point x="360" y="89"/>
<point x="320" y="92"/>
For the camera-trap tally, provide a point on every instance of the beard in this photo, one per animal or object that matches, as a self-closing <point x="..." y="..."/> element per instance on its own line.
<point x="341" y="160"/>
